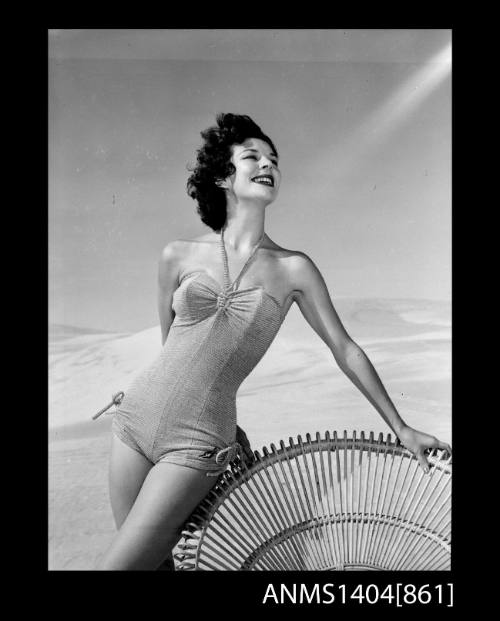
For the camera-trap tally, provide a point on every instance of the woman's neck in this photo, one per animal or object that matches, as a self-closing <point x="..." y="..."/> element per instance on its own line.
<point x="243" y="227"/>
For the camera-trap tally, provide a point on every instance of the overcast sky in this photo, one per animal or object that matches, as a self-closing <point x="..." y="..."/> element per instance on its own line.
<point x="361" y="118"/>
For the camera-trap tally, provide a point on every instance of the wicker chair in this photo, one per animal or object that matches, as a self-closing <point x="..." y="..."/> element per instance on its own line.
<point x="325" y="504"/>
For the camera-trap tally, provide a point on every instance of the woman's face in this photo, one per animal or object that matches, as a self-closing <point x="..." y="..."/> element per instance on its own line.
<point x="257" y="175"/>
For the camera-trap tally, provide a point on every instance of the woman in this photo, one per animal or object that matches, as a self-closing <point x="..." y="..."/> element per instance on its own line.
<point x="222" y="299"/>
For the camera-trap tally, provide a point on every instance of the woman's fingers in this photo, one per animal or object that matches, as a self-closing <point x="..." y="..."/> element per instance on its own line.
<point x="245" y="445"/>
<point x="248" y="457"/>
<point x="444" y="446"/>
<point x="247" y="451"/>
<point x="423" y="462"/>
<point x="241" y="438"/>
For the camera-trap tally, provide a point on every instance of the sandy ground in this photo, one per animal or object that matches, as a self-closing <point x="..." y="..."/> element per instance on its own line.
<point x="296" y="388"/>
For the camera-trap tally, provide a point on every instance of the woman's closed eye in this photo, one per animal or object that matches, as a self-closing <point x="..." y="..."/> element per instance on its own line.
<point x="253" y="157"/>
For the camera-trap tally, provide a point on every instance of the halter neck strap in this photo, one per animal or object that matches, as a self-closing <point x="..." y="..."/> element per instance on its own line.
<point x="227" y="282"/>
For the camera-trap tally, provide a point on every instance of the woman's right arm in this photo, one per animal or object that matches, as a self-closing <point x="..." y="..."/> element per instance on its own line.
<point x="168" y="272"/>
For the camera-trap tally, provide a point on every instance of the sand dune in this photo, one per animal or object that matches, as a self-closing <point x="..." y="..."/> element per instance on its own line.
<point x="296" y="388"/>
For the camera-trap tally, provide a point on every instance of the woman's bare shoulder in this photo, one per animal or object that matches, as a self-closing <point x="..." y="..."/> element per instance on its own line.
<point x="180" y="248"/>
<point x="289" y="257"/>
<point x="296" y="266"/>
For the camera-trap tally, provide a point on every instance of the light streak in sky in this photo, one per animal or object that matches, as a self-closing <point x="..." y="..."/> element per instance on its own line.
<point x="395" y="110"/>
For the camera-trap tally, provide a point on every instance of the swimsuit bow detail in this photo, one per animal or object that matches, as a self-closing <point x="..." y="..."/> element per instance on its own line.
<point x="222" y="300"/>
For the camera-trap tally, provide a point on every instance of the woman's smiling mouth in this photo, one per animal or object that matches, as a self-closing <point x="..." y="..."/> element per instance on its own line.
<point x="264" y="180"/>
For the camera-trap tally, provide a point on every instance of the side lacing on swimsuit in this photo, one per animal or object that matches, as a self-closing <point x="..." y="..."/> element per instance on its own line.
<point x="116" y="399"/>
<point x="224" y="457"/>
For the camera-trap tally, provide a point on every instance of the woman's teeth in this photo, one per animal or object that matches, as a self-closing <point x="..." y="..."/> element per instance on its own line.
<point x="263" y="180"/>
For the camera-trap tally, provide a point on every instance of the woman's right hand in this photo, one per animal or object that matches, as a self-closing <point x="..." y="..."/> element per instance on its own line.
<point x="241" y="438"/>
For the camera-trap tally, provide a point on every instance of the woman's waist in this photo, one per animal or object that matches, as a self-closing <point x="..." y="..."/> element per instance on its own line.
<point x="181" y="398"/>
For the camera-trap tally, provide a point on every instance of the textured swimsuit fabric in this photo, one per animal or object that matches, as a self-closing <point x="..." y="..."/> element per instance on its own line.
<point x="184" y="404"/>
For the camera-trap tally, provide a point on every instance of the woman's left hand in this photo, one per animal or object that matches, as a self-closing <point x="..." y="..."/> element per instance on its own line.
<point x="418" y="442"/>
<point x="241" y="438"/>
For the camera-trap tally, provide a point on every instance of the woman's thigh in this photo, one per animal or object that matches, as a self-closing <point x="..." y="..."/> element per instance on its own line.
<point x="167" y="497"/>
<point x="127" y="471"/>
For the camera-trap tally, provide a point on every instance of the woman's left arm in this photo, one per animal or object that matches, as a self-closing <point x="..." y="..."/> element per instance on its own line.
<point x="313" y="299"/>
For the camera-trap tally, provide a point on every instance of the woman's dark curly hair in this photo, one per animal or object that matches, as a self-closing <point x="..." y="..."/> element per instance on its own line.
<point x="213" y="164"/>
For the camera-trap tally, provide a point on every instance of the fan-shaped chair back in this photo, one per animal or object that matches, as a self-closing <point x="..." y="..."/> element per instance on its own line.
<point x="325" y="504"/>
